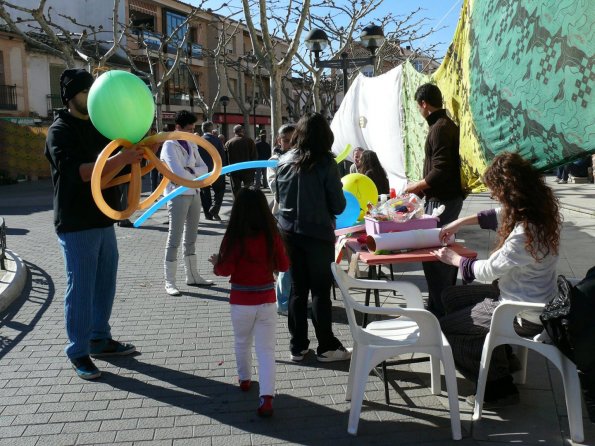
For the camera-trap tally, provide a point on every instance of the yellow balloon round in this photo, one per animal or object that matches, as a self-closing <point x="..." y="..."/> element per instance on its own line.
<point x="363" y="188"/>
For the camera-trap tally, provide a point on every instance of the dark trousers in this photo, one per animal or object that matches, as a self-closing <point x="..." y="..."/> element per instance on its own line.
<point x="469" y="310"/>
<point x="440" y="275"/>
<point x="260" y="178"/>
<point x="310" y="273"/>
<point x="156" y="178"/>
<point x="208" y="206"/>
<point x="242" y="178"/>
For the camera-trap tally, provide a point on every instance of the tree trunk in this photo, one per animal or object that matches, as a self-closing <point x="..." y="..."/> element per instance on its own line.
<point x="316" y="91"/>
<point x="158" y="114"/>
<point x="276" y="84"/>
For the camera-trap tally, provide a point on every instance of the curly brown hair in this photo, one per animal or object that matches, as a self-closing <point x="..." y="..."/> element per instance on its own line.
<point x="525" y="199"/>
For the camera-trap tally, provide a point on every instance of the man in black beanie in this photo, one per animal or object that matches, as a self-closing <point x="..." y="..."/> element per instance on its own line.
<point x="85" y="234"/>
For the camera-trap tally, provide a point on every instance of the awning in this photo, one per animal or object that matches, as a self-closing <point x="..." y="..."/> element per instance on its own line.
<point x="239" y="119"/>
<point x="141" y="6"/>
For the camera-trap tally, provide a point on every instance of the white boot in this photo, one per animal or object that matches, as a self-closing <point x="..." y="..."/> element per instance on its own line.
<point x="192" y="276"/>
<point x="170" y="278"/>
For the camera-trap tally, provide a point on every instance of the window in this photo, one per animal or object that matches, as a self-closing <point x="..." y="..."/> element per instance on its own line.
<point x="54" y="98"/>
<point x="180" y="86"/>
<point x="141" y="20"/>
<point x="172" y="21"/>
<point x="418" y="65"/>
<point x="2" y="78"/>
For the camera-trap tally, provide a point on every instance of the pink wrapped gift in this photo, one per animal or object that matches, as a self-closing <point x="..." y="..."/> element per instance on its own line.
<point x="374" y="226"/>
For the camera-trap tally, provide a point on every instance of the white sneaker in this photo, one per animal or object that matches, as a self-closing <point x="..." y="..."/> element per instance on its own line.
<point x="299" y="357"/>
<point x="341" y="354"/>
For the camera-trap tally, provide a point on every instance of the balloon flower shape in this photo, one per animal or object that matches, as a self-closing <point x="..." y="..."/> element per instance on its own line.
<point x="121" y="107"/>
<point x="364" y="190"/>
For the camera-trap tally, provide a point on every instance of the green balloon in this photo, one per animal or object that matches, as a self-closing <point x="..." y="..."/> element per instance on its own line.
<point x="121" y="106"/>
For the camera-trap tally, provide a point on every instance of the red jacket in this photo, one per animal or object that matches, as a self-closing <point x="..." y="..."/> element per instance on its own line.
<point x="252" y="281"/>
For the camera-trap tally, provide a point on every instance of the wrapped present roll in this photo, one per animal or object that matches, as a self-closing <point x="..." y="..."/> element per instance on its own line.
<point x="414" y="239"/>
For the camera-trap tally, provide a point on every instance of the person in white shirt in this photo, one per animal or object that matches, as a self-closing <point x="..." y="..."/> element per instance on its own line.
<point x="522" y="267"/>
<point x="183" y="159"/>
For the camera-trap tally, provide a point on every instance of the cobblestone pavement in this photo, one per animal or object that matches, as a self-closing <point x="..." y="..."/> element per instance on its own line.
<point x="181" y="388"/>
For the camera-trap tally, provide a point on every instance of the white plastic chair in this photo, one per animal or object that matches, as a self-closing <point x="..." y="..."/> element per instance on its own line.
<point x="502" y="332"/>
<point x="415" y="331"/>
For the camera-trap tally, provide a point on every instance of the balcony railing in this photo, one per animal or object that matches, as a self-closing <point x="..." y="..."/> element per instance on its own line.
<point x="8" y="97"/>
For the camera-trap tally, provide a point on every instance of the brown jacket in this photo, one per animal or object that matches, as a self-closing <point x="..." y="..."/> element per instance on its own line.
<point x="442" y="165"/>
<point x="240" y="149"/>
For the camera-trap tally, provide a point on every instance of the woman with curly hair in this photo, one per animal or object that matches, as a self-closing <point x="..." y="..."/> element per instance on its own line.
<point x="522" y="267"/>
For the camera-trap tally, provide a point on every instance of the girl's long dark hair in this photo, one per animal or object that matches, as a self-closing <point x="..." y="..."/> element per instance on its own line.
<point x="525" y="199"/>
<point x="370" y="161"/>
<point x="312" y="140"/>
<point x="250" y="217"/>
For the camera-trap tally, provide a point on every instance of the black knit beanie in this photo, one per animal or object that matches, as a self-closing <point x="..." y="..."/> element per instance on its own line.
<point x="73" y="81"/>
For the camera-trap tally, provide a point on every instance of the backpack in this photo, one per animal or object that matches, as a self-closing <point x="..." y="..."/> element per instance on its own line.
<point x="569" y="319"/>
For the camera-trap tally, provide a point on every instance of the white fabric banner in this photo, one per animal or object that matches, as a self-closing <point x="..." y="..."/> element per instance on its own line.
<point x="370" y="116"/>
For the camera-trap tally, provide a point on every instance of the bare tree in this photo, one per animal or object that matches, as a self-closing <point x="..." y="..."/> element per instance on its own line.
<point x="37" y="27"/>
<point x="342" y="22"/>
<point x="275" y="62"/>
<point x="225" y="29"/>
<point x="161" y="65"/>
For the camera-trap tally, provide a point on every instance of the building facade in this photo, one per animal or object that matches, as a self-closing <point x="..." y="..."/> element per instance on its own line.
<point x="29" y="77"/>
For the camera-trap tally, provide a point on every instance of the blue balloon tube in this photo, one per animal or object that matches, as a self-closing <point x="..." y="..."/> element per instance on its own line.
<point x="180" y="190"/>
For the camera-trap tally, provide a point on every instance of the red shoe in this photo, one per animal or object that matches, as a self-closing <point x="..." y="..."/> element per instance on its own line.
<point x="265" y="408"/>
<point x="245" y="385"/>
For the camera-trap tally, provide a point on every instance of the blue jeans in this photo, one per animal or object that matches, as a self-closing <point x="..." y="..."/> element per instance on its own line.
<point x="283" y="290"/>
<point x="91" y="260"/>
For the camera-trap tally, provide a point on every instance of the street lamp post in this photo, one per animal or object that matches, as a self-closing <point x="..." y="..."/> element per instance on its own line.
<point x="224" y="100"/>
<point x="372" y="37"/>
<point x="254" y="117"/>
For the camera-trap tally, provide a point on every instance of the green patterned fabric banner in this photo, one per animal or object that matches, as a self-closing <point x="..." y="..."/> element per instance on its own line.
<point x="532" y="72"/>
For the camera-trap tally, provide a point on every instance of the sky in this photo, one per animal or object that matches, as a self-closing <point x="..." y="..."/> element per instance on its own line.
<point x="440" y="14"/>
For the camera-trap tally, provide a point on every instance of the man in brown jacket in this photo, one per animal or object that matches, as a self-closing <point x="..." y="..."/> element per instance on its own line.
<point x="240" y="148"/>
<point x="441" y="183"/>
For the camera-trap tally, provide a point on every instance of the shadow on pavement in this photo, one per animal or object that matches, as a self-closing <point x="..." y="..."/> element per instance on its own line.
<point x="39" y="290"/>
<point x="296" y="420"/>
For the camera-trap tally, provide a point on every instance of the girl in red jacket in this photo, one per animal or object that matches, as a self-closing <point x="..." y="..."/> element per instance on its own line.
<point x="250" y="252"/>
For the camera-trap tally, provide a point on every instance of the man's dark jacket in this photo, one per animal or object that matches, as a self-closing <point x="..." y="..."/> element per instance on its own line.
<point x="70" y="143"/>
<point x="240" y="149"/>
<point x="442" y="164"/>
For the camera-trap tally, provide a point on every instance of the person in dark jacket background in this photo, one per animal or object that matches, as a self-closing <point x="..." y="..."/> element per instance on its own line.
<point x="441" y="183"/>
<point x="86" y="235"/>
<point x="310" y="195"/>
<point x="211" y="210"/>
<point x="240" y="148"/>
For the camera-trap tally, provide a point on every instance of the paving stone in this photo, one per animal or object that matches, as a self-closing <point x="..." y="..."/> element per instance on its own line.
<point x="95" y="437"/>
<point x="44" y="429"/>
<point x="135" y="435"/>
<point x="11" y="431"/>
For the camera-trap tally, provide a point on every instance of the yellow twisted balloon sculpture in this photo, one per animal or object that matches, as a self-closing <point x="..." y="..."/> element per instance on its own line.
<point x="98" y="183"/>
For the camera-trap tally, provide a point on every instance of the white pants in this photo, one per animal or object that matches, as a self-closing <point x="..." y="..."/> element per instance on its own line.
<point x="258" y="322"/>
<point x="184" y="216"/>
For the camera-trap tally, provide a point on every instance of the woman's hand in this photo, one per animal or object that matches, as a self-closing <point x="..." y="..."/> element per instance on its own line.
<point x="448" y="256"/>
<point x="214" y="259"/>
<point x="449" y="230"/>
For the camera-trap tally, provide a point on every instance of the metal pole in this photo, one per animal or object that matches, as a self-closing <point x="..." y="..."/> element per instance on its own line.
<point x="344" y="66"/>
<point x="254" y="118"/>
